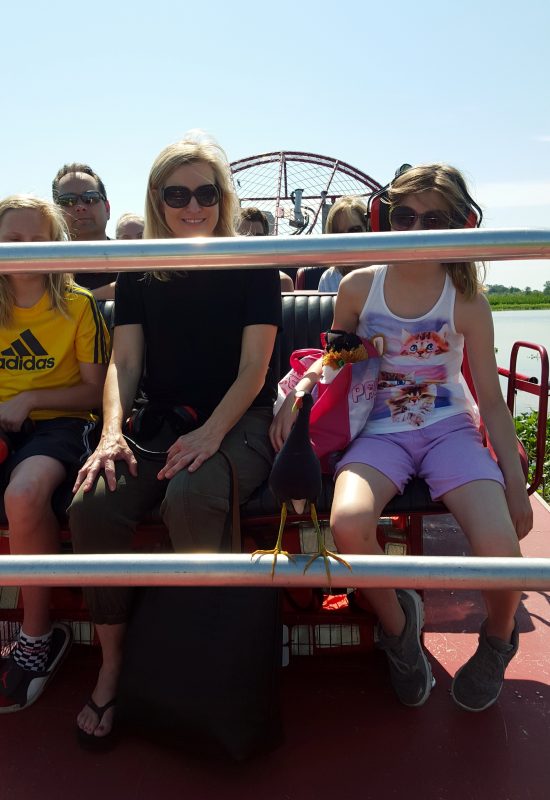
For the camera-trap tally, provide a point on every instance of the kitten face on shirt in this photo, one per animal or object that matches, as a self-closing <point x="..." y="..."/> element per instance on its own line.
<point x="412" y="404"/>
<point x="425" y="343"/>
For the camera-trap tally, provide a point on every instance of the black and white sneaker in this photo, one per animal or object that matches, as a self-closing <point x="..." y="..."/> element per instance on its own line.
<point x="20" y="688"/>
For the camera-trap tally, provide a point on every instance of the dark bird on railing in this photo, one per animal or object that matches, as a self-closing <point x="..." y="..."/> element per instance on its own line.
<point x="296" y="473"/>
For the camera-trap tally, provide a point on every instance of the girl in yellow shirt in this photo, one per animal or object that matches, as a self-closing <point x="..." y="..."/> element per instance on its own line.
<point x="53" y="359"/>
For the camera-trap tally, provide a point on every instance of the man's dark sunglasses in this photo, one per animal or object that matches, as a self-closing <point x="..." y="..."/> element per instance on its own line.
<point x="403" y="218"/>
<point x="89" y="198"/>
<point x="180" y="196"/>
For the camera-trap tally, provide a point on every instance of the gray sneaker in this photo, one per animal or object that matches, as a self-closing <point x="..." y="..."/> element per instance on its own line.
<point x="410" y="671"/>
<point x="477" y="684"/>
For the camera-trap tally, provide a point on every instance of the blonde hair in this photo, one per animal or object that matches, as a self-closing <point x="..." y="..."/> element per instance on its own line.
<point x="467" y="276"/>
<point x="346" y="205"/>
<point x="57" y="284"/>
<point x="128" y="217"/>
<point x="189" y="151"/>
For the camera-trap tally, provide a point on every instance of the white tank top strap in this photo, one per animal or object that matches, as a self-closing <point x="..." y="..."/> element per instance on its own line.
<point x="444" y="306"/>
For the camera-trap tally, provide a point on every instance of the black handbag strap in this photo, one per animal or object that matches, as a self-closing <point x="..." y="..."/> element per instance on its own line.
<point x="152" y="416"/>
<point x="236" y="540"/>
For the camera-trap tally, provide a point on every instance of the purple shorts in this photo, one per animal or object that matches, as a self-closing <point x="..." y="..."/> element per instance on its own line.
<point x="446" y="455"/>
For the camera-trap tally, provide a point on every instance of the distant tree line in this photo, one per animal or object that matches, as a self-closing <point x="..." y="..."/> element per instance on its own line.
<point x="511" y="298"/>
<point x="497" y="288"/>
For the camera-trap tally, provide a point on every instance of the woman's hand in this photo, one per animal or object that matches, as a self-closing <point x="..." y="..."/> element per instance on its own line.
<point x="283" y="422"/>
<point x="190" y="451"/>
<point x="14" y="412"/>
<point x="111" y="448"/>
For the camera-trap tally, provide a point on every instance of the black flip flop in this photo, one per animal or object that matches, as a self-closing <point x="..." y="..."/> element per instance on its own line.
<point x="88" y="740"/>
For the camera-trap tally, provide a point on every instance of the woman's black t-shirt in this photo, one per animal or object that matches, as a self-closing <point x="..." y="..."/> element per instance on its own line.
<point x="193" y="325"/>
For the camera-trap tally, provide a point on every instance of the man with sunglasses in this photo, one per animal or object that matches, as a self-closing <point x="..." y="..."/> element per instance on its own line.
<point x="81" y="194"/>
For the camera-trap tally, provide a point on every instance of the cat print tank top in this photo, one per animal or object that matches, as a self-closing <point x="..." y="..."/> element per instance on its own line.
<point x="420" y="378"/>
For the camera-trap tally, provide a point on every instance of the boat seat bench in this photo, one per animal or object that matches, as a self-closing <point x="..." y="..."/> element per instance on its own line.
<point x="305" y="316"/>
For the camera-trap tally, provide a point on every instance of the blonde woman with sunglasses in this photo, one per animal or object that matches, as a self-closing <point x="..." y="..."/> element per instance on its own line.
<point x="206" y="339"/>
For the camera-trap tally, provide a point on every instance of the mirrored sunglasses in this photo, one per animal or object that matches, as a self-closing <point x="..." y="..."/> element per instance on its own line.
<point x="89" y="198"/>
<point x="403" y="218"/>
<point x="180" y="196"/>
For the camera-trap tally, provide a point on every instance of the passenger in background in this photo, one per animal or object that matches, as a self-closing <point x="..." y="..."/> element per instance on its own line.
<point x="347" y="215"/>
<point x="130" y="226"/>
<point x="82" y="196"/>
<point x="254" y="223"/>
<point x="207" y="339"/>
<point x="53" y="354"/>
<point x="423" y="424"/>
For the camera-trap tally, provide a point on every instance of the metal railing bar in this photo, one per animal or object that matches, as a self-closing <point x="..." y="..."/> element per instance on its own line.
<point x="276" y="251"/>
<point x="206" y="569"/>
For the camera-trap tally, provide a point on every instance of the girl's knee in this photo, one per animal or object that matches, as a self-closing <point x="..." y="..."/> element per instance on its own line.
<point x="353" y="529"/>
<point x="26" y="498"/>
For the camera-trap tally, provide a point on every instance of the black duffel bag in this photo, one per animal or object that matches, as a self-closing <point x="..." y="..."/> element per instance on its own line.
<point x="202" y="669"/>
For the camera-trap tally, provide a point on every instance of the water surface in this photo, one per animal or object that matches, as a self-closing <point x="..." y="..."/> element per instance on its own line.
<point x="526" y="326"/>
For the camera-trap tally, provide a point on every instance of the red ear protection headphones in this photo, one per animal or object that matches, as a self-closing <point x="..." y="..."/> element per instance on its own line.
<point x="378" y="209"/>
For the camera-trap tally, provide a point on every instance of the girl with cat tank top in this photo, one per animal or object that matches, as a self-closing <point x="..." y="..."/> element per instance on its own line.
<point x="424" y="423"/>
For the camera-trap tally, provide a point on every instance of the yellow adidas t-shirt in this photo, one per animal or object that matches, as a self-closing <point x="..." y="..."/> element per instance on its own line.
<point x="42" y="349"/>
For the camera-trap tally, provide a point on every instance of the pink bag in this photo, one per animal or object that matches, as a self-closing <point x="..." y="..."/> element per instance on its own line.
<point x="342" y="406"/>
<point x="300" y="362"/>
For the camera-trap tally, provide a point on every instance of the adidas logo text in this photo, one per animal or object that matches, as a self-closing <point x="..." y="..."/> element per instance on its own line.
<point x="28" y="363"/>
<point x="26" y="353"/>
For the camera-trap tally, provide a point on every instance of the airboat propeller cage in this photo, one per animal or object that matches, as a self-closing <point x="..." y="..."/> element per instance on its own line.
<point x="325" y="208"/>
<point x="297" y="188"/>
<point x="298" y="218"/>
<point x="378" y="209"/>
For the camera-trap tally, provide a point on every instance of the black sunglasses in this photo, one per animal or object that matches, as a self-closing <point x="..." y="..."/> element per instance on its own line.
<point x="89" y="198"/>
<point x="180" y="196"/>
<point x="403" y="218"/>
<point x="356" y="229"/>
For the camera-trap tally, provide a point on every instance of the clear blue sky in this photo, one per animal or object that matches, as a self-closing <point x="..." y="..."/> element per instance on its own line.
<point x="374" y="84"/>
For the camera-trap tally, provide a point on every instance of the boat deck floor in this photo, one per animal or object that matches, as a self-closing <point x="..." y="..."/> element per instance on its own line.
<point x="346" y="734"/>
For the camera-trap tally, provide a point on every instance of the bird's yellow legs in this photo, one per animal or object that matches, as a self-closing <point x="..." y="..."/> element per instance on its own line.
<point x="322" y="550"/>
<point x="278" y="549"/>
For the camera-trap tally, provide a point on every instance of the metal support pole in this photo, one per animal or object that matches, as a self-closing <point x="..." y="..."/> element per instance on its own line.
<point x="252" y="252"/>
<point x="205" y="569"/>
